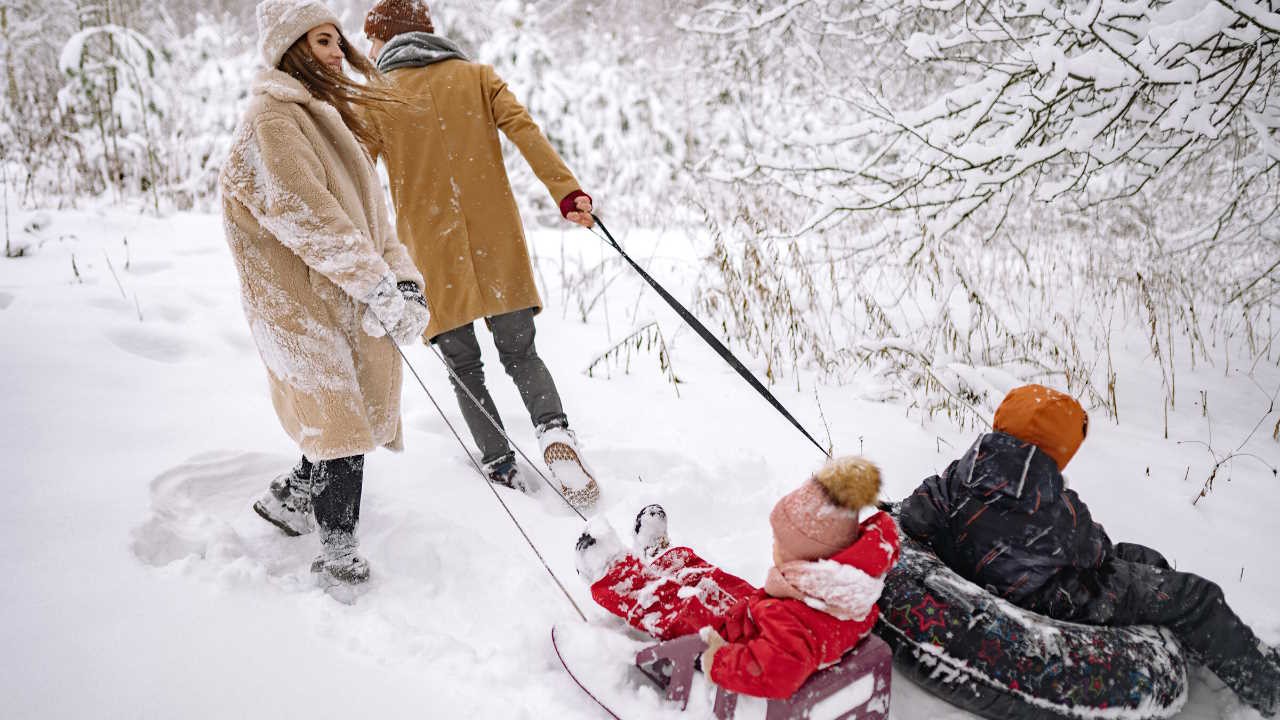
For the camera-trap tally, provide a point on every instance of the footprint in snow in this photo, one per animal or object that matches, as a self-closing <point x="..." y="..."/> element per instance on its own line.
<point x="172" y="313"/>
<point x="5" y="300"/>
<point x="114" y="303"/>
<point x="238" y="338"/>
<point x="206" y="299"/>
<point x="150" y="343"/>
<point x="201" y="523"/>
<point x="201" y="527"/>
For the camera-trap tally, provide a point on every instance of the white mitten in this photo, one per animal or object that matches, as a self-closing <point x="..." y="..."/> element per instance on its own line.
<point x="415" y="318"/>
<point x="385" y="307"/>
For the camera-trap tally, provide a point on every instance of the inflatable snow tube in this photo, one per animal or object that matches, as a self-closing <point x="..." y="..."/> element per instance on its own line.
<point x="990" y="657"/>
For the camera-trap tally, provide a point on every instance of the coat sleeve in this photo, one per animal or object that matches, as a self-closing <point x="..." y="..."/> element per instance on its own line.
<point x="1092" y="546"/>
<point x="294" y="204"/>
<point x="923" y="513"/>
<point x="514" y="121"/>
<point x="773" y="663"/>
<point x="876" y="549"/>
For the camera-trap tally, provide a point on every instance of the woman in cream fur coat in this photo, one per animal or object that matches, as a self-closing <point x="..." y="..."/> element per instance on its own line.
<point x="326" y="285"/>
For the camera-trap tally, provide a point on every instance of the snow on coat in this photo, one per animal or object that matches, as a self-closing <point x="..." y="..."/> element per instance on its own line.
<point x="772" y="644"/>
<point x="454" y="206"/>
<point x="841" y="586"/>
<point x="310" y="235"/>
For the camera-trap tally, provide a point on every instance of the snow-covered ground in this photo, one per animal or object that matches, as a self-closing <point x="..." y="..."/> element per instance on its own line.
<point x="137" y="431"/>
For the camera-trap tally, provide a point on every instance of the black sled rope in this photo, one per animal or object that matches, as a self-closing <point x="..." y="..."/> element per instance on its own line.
<point x="501" y="430"/>
<point x="480" y="472"/>
<point x="710" y="339"/>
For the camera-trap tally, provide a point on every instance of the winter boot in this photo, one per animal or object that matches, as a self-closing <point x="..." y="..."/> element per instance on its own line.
<point x="339" y="563"/>
<point x="651" y="533"/>
<point x="597" y="549"/>
<point x="504" y="472"/>
<point x="1255" y="679"/>
<point x="287" y="503"/>
<point x="560" y="453"/>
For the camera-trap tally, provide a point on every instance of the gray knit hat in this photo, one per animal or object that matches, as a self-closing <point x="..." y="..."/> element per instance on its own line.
<point x="282" y="22"/>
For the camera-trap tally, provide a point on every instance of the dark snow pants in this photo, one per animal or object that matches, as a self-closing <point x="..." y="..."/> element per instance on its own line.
<point x="1138" y="587"/>
<point x="336" y="486"/>
<point x="513" y="335"/>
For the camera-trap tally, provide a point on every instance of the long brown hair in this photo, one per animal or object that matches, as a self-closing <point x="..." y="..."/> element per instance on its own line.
<point x="353" y="100"/>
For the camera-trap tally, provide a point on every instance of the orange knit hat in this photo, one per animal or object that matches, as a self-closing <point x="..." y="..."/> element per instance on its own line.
<point x="1052" y="421"/>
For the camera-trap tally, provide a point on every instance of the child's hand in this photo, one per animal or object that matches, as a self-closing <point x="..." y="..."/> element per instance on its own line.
<point x="582" y="215"/>
<point x="714" y="642"/>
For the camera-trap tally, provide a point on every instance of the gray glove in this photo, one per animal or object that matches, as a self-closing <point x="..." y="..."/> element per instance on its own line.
<point x="416" y="315"/>
<point x="385" y="307"/>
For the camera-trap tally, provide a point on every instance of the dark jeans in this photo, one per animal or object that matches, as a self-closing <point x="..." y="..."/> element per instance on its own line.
<point x="513" y="335"/>
<point x="336" y="486"/>
<point x="1138" y="587"/>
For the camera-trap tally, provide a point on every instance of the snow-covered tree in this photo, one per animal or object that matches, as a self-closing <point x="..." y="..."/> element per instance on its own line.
<point x="118" y="104"/>
<point x="943" y="190"/>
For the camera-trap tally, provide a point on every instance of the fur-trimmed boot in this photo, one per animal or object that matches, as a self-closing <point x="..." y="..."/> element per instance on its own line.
<point x="560" y="453"/>
<point x="650" y="534"/>
<point x="287" y="502"/>
<point x="597" y="549"/>
<point x="339" y="561"/>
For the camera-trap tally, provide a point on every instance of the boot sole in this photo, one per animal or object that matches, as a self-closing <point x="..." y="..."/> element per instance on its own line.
<point x="257" y="508"/>
<point x="580" y="499"/>
<point x="584" y="498"/>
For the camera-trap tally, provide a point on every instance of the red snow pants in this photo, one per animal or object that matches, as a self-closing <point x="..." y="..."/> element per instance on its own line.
<point x="676" y="595"/>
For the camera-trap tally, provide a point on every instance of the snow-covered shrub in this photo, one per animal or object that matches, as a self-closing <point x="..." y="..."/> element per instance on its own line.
<point x="117" y="104"/>
<point x="120" y="99"/>
<point x="947" y="196"/>
<point x="211" y="67"/>
<point x="33" y="137"/>
<point x="964" y="196"/>
<point x="156" y="118"/>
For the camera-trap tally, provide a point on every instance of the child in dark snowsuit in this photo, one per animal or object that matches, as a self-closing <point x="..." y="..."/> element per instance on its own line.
<point x="1003" y="517"/>
<point x="818" y="603"/>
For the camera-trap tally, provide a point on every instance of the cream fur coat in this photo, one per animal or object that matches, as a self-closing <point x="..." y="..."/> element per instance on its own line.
<point x="308" y="228"/>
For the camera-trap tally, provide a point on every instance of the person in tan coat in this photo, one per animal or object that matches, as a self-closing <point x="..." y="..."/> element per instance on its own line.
<point x="323" y="277"/>
<point x="457" y="214"/>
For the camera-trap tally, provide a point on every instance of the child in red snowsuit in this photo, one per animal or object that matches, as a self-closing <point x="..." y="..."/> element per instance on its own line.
<point x="818" y="602"/>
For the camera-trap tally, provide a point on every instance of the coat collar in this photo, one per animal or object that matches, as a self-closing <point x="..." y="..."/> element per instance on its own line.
<point x="282" y="86"/>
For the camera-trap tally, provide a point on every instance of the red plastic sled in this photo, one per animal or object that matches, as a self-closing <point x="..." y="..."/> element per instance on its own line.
<point x="856" y="688"/>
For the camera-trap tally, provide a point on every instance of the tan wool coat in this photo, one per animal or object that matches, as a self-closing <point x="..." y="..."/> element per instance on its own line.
<point x="309" y="231"/>
<point x="454" y="206"/>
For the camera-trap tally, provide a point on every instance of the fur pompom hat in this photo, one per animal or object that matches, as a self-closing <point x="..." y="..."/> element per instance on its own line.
<point x="820" y="518"/>
<point x="282" y="22"/>
<point x="390" y="18"/>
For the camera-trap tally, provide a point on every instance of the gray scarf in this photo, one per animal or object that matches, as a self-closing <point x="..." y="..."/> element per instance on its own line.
<point x="417" y="49"/>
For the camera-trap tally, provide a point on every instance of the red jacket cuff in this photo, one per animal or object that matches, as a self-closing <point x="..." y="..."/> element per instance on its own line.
<point x="569" y="203"/>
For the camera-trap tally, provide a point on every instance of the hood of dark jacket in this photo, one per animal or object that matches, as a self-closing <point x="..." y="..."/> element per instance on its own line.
<point x="417" y="49"/>
<point x="1000" y="468"/>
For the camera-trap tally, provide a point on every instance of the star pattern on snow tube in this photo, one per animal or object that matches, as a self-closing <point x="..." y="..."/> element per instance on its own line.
<point x="930" y="612"/>
<point x="991" y="650"/>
